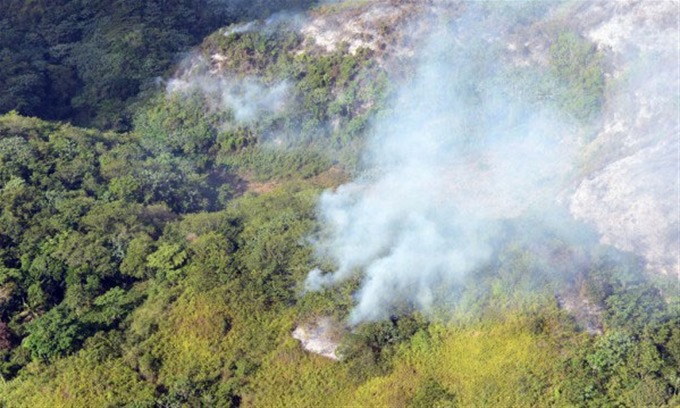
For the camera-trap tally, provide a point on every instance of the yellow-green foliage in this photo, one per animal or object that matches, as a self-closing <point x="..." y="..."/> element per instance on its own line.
<point x="292" y="378"/>
<point x="189" y="340"/>
<point x="119" y="301"/>
<point x="492" y="364"/>
<point x="485" y="365"/>
<point x="77" y="381"/>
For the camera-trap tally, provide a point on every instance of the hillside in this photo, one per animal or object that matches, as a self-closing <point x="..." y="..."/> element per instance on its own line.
<point x="418" y="203"/>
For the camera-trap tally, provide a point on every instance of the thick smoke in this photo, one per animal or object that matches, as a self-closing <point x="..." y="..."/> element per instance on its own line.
<point x="468" y="146"/>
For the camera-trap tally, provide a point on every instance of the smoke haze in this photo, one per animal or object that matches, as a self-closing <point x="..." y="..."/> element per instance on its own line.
<point x="631" y="193"/>
<point x="462" y="152"/>
<point x="477" y="140"/>
<point x="246" y="98"/>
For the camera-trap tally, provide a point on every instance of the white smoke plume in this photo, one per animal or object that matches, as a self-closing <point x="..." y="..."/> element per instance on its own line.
<point x="246" y="98"/>
<point x="467" y="147"/>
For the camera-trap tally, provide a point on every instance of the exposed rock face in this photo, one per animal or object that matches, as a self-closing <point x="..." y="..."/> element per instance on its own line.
<point x="360" y="27"/>
<point x="627" y="185"/>
<point x="391" y="30"/>
<point x="633" y="203"/>
<point x="320" y="337"/>
<point x="629" y="190"/>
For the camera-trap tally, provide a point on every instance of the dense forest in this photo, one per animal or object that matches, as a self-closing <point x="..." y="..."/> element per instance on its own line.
<point x="153" y="249"/>
<point x="89" y="62"/>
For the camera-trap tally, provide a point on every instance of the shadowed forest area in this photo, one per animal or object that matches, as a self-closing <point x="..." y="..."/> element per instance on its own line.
<point x="90" y="62"/>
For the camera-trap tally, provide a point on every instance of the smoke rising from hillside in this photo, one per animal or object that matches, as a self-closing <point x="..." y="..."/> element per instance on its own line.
<point x="246" y="98"/>
<point x="464" y="150"/>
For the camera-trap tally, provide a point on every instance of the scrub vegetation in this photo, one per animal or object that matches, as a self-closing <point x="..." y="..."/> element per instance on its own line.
<point x="140" y="267"/>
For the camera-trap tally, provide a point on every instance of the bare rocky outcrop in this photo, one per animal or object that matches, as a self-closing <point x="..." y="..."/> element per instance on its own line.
<point x="374" y="25"/>
<point x="629" y="185"/>
<point x="626" y="185"/>
<point x="320" y="336"/>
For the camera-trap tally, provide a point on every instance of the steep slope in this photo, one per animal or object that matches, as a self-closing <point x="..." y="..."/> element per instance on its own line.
<point x="629" y="187"/>
<point x="627" y="172"/>
<point x="500" y="174"/>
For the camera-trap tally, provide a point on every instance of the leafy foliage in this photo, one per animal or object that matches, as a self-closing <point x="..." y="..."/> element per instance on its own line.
<point x="579" y="65"/>
<point x="145" y="268"/>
